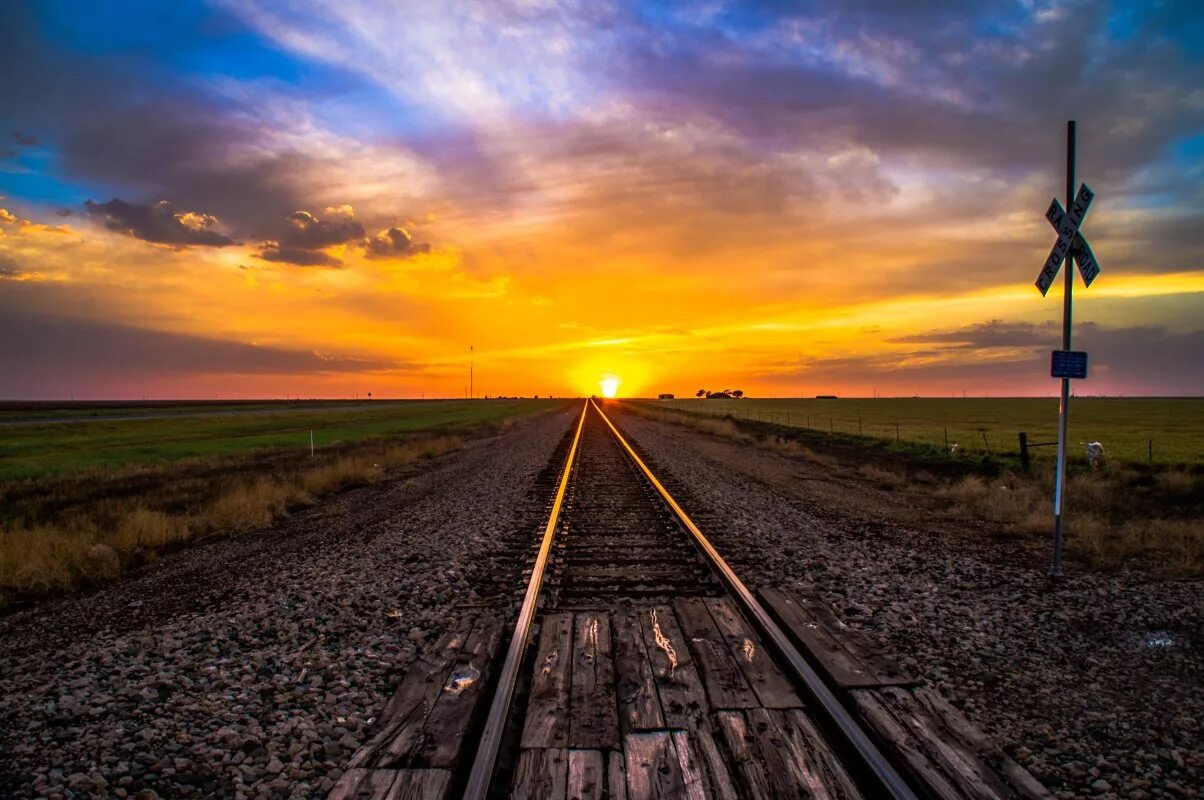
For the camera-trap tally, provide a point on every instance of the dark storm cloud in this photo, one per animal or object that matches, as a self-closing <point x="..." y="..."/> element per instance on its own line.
<point x="129" y="124"/>
<point x="180" y="149"/>
<point x="12" y="270"/>
<point x="304" y="237"/>
<point x="977" y="83"/>
<point x="307" y="231"/>
<point x="393" y="242"/>
<point x="993" y="333"/>
<point x="298" y="256"/>
<point x="48" y="354"/>
<point x="160" y="223"/>
<point x="1157" y="360"/>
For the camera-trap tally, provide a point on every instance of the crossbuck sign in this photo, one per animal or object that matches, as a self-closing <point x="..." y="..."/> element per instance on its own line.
<point x="1067" y="364"/>
<point x="1070" y="243"/>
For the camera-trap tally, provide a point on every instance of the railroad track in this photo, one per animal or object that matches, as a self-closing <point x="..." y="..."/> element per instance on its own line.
<point x="640" y="665"/>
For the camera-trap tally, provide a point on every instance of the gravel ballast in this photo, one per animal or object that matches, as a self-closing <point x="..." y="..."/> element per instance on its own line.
<point x="1094" y="686"/>
<point x="252" y="666"/>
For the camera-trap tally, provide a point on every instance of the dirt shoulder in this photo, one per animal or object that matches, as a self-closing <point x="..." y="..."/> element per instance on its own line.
<point x="1092" y="685"/>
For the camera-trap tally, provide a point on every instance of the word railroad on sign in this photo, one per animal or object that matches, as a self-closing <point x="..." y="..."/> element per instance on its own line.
<point x="1070" y="243"/>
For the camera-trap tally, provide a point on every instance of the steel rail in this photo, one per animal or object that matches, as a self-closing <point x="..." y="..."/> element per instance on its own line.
<point x="491" y="736"/>
<point x="885" y="775"/>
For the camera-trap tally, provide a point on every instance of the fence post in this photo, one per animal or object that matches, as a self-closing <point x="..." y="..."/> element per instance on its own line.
<point x="858" y="424"/>
<point x="1024" y="451"/>
<point x="988" y="444"/>
<point x="898" y="438"/>
<point x="947" y="440"/>
<point x="831" y="425"/>
<point x="1151" y="444"/>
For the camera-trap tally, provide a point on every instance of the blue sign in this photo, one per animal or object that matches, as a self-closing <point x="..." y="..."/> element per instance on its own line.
<point x="1068" y="364"/>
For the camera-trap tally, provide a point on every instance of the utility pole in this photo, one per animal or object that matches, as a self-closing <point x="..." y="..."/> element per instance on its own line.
<point x="471" y="393"/>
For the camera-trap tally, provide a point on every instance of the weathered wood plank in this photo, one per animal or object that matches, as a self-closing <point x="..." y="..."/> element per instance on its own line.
<point x="693" y="776"/>
<point x="635" y="687"/>
<point x="541" y="774"/>
<point x="942" y="748"/>
<point x="420" y="784"/>
<point x="653" y="770"/>
<point x="725" y="683"/>
<point x="848" y="656"/>
<point x="460" y="701"/>
<point x="763" y="675"/>
<point x="404" y="716"/>
<point x="547" y="721"/>
<point x="798" y="762"/>
<point x="708" y="755"/>
<point x="834" y="658"/>
<point x="587" y="775"/>
<point x="881" y="665"/>
<point x="616" y="776"/>
<point x="738" y="739"/>
<point x="677" y="683"/>
<point x="593" y="714"/>
<point x="363" y="784"/>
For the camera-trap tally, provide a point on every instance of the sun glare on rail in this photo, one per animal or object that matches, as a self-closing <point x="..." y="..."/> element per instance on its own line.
<point x="610" y="386"/>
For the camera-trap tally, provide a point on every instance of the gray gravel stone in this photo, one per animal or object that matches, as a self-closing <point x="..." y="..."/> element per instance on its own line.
<point x="1103" y="670"/>
<point x="251" y="666"/>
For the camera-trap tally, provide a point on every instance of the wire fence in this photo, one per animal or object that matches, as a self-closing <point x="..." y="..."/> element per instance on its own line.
<point x="955" y="437"/>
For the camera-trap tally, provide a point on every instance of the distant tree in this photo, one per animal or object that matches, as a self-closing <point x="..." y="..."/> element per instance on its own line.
<point x="738" y="393"/>
<point x="701" y="393"/>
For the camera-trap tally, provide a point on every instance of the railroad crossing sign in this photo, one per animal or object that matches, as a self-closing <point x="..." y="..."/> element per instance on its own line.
<point x="1070" y="243"/>
<point x="1067" y="364"/>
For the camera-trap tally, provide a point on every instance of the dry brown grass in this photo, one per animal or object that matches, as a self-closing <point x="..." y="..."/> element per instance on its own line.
<point x="62" y="533"/>
<point x="1113" y="518"/>
<point x="715" y="426"/>
<point x="725" y="428"/>
<point x="885" y="478"/>
<point x="1116" y="516"/>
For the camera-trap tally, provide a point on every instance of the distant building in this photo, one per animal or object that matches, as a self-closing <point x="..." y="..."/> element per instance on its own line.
<point x="664" y="396"/>
<point x="825" y="397"/>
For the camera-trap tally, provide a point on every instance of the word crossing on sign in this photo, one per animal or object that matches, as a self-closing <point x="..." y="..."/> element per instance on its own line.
<point x="1068" y="364"/>
<point x="1070" y="242"/>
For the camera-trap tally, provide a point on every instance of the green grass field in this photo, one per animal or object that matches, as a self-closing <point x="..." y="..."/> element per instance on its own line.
<point x="1128" y="428"/>
<point x="71" y="444"/>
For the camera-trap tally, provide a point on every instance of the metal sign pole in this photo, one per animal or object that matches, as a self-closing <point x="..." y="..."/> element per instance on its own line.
<point x="1055" y="568"/>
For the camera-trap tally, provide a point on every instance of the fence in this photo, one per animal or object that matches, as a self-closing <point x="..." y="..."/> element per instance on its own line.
<point x="957" y="437"/>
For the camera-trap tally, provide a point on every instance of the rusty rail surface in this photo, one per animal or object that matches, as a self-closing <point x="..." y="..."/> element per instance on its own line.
<point x="499" y="709"/>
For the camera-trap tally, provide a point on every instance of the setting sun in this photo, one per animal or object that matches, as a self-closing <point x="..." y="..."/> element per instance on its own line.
<point x="610" y="386"/>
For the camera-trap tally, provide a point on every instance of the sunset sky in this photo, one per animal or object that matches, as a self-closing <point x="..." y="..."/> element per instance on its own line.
<point x="256" y="198"/>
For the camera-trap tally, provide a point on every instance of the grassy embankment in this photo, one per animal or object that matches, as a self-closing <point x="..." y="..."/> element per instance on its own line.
<point x="1123" y="514"/>
<point x="80" y="502"/>
<point x="1172" y="428"/>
